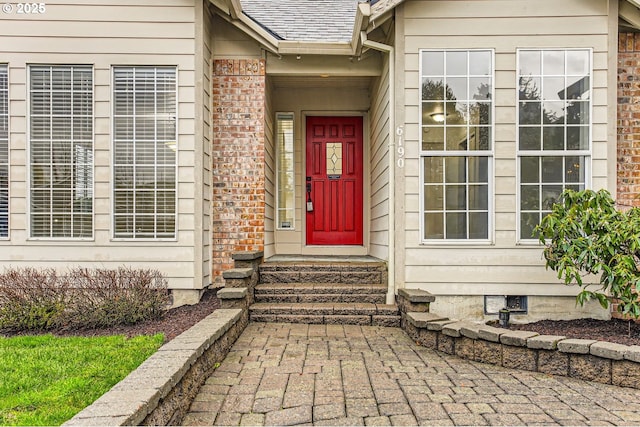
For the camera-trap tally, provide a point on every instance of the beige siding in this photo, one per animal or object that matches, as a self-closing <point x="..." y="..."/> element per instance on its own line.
<point x="230" y="42"/>
<point x="105" y="33"/>
<point x="503" y="266"/>
<point x="270" y="177"/>
<point x="379" y="142"/>
<point x="205" y="90"/>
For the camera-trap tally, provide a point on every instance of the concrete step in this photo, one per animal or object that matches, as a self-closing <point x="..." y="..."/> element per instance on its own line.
<point x="327" y="313"/>
<point x="323" y="272"/>
<point x="320" y="292"/>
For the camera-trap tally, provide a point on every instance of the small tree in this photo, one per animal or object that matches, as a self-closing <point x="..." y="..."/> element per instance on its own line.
<point x="586" y="235"/>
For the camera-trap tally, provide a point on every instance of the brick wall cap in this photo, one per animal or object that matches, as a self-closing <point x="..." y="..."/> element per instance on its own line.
<point x="237" y="273"/>
<point x="416" y="295"/>
<point x="453" y="329"/>
<point x="545" y="342"/>
<point x="439" y="324"/>
<point x="577" y="346"/>
<point x="247" y="255"/>
<point x="490" y="333"/>
<point x="420" y="320"/>
<point x="517" y="338"/>
<point x="470" y="330"/>
<point x="608" y="350"/>
<point x="633" y="353"/>
<point x="232" y="293"/>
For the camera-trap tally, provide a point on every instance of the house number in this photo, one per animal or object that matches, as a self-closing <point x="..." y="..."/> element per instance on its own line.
<point x="400" y="149"/>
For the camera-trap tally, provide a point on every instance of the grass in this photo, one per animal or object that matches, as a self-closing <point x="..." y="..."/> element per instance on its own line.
<point x="45" y="380"/>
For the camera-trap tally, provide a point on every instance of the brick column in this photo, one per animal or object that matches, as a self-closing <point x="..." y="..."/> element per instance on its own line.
<point x="628" y="162"/>
<point x="238" y="202"/>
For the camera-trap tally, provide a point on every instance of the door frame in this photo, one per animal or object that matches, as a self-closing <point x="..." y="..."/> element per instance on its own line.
<point x="366" y="182"/>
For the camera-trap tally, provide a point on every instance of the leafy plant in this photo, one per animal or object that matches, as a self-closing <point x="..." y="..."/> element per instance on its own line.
<point x="592" y="244"/>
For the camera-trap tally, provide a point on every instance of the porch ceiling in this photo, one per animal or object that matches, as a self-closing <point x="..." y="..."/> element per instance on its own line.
<point x="293" y="82"/>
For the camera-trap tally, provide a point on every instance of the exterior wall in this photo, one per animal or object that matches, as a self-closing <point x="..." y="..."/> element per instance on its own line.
<point x="238" y="156"/>
<point x="317" y="99"/>
<point x="105" y="33"/>
<point x="379" y="134"/>
<point x="628" y="183"/>
<point x="502" y="267"/>
<point x="270" y="177"/>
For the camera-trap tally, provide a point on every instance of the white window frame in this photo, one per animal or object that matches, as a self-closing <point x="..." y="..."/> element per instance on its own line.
<point x="489" y="154"/>
<point x="4" y="69"/>
<point x="586" y="154"/>
<point x="174" y="147"/>
<point x="30" y="67"/>
<point x="279" y="209"/>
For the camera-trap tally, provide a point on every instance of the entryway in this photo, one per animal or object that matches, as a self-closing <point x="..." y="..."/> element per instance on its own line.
<point x="334" y="181"/>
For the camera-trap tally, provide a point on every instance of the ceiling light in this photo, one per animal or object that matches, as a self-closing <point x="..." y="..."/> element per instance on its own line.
<point x="437" y="117"/>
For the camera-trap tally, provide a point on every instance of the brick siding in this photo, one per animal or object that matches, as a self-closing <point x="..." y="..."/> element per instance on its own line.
<point x="238" y="199"/>
<point x="628" y="151"/>
<point x="628" y="181"/>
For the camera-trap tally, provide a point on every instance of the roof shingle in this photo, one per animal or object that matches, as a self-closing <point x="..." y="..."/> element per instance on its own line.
<point x="304" y="20"/>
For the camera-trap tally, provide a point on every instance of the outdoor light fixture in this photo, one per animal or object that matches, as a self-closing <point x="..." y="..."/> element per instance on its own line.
<point x="503" y="317"/>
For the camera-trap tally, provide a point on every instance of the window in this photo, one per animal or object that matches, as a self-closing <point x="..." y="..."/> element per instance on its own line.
<point x="4" y="151"/>
<point x="145" y="144"/>
<point x="61" y="151"/>
<point x="554" y="126"/>
<point x="285" y="171"/>
<point x="456" y="144"/>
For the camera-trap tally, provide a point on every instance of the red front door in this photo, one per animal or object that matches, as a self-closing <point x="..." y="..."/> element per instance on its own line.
<point x="334" y="181"/>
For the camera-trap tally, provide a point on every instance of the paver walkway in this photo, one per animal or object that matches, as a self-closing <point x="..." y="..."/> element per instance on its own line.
<point x="289" y="374"/>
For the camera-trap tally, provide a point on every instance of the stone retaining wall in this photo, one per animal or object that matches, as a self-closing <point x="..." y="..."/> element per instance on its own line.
<point x="588" y="360"/>
<point x="161" y="389"/>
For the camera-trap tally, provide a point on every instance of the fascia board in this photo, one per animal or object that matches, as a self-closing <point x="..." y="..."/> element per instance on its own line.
<point x="286" y="47"/>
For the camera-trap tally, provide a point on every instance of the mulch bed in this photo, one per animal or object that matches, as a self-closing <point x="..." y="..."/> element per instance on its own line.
<point x="614" y="330"/>
<point x="174" y="322"/>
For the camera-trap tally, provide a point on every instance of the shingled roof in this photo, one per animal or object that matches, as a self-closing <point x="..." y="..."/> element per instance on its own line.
<point x="304" y="20"/>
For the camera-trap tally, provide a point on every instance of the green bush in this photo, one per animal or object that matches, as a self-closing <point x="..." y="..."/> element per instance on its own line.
<point x="586" y="236"/>
<point x="83" y="298"/>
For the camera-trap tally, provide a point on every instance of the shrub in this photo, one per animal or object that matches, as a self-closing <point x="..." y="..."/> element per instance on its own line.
<point x="83" y="298"/>
<point x="585" y="235"/>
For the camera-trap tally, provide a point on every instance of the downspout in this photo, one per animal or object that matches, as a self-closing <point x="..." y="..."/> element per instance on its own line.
<point x="391" y="288"/>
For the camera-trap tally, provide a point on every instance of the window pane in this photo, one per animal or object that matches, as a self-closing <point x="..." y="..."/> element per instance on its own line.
<point x="530" y="88"/>
<point x="529" y="197"/>
<point x="433" y="197"/>
<point x="144" y="155"/>
<point x="478" y="169"/>
<point x="456" y="225"/>
<point x="530" y="113"/>
<point x="478" y="197"/>
<point x="530" y="62"/>
<point x="433" y="63"/>
<point x="478" y="225"/>
<point x="566" y="121"/>
<point x="552" y="169"/>
<point x="456" y="63"/>
<point x="61" y="151"/>
<point x="434" y="226"/>
<point x="456" y="188"/>
<point x="529" y="138"/>
<point x="285" y="170"/>
<point x="455" y="170"/>
<point x="528" y="221"/>
<point x="530" y="169"/>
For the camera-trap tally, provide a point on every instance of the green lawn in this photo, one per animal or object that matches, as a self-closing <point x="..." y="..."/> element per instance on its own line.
<point x="45" y="380"/>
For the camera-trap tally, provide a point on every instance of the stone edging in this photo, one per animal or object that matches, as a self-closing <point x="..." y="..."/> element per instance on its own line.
<point x="588" y="360"/>
<point x="161" y="389"/>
